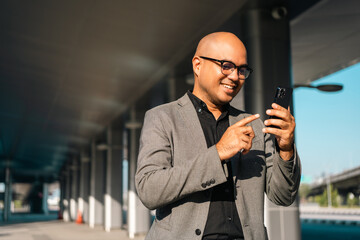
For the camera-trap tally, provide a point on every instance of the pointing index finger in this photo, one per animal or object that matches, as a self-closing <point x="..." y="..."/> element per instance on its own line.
<point x="247" y="120"/>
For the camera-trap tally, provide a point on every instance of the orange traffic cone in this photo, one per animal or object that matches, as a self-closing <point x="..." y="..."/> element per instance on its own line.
<point x="79" y="219"/>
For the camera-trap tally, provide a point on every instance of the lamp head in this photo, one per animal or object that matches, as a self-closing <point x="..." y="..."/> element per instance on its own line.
<point x="323" y="87"/>
<point x="330" y="87"/>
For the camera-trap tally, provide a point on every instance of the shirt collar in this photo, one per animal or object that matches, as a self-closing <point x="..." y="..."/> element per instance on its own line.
<point x="198" y="103"/>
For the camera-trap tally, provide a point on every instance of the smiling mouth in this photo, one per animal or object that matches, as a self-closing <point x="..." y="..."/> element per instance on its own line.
<point x="229" y="86"/>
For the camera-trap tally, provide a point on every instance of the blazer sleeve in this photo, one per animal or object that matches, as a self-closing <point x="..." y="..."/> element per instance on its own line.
<point x="282" y="177"/>
<point x="159" y="178"/>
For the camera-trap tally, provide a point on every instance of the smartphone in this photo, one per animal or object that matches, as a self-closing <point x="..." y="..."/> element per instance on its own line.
<point x="282" y="98"/>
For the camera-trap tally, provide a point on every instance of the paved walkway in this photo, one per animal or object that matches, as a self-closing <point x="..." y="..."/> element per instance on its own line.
<point x="59" y="230"/>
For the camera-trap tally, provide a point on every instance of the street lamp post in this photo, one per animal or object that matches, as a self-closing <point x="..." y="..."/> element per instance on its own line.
<point x="328" y="184"/>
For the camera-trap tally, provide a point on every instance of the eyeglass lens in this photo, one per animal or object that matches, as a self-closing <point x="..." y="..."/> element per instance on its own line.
<point x="228" y="68"/>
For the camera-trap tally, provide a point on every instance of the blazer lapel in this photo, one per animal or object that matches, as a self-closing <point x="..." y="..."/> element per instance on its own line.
<point x="189" y="116"/>
<point x="235" y="115"/>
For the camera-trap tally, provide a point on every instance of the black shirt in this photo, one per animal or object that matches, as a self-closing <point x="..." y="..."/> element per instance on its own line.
<point x="223" y="217"/>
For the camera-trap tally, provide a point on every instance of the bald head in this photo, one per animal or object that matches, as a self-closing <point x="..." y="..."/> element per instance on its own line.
<point x="217" y="42"/>
<point x="211" y="85"/>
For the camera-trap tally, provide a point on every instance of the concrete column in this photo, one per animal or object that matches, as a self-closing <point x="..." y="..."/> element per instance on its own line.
<point x="92" y="185"/>
<point x="62" y="195"/>
<point x="74" y="189"/>
<point x="74" y="171"/>
<point x="45" y="198"/>
<point x="268" y="43"/>
<point x="328" y="188"/>
<point x="66" y="200"/>
<point x="266" y="36"/>
<point x="138" y="214"/>
<point x="343" y="196"/>
<point x="7" y="196"/>
<point x="84" y="188"/>
<point x="96" y="201"/>
<point x="357" y="196"/>
<point x="282" y="222"/>
<point x="113" y="194"/>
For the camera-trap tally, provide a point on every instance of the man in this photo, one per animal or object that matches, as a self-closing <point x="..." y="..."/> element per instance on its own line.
<point x="204" y="165"/>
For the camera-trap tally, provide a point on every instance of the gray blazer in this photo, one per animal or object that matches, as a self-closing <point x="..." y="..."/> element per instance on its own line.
<point x="175" y="166"/>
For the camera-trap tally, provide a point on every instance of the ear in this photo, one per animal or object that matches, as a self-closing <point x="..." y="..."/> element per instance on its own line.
<point x="196" y="65"/>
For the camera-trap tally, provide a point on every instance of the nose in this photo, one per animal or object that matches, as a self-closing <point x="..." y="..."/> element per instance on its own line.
<point x="234" y="76"/>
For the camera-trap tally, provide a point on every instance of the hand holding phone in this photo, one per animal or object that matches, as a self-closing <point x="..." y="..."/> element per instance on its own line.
<point x="282" y="97"/>
<point x="285" y="135"/>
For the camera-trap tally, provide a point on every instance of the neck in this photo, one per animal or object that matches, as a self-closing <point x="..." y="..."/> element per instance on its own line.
<point x="215" y="109"/>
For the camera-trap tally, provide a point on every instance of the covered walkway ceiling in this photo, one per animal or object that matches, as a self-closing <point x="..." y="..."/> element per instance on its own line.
<point x="325" y="39"/>
<point x="68" y="68"/>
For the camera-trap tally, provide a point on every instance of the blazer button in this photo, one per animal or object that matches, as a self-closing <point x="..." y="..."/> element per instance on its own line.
<point x="212" y="181"/>
<point x="208" y="183"/>
<point x="204" y="185"/>
<point x="198" y="232"/>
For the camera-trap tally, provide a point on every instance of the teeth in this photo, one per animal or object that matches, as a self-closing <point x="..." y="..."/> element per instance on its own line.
<point x="229" y="87"/>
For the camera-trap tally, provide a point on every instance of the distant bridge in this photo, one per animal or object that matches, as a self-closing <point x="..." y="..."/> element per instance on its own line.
<point x="345" y="182"/>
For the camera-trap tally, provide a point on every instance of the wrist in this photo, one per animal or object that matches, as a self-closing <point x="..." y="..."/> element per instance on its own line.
<point x="286" y="155"/>
<point x="218" y="149"/>
<point x="221" y="152"/>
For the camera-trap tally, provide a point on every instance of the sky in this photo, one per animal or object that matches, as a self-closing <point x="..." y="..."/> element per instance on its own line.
<point x="327" y="131"/>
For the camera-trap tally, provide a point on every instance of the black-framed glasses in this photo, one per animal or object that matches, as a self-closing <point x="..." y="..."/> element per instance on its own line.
<point x="228" y="67"/>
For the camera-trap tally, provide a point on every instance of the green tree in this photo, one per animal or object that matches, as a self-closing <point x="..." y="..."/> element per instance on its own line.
<point x="351" y="200"/>
<point x="322" y="199"/>
<point x="304" y="190"/>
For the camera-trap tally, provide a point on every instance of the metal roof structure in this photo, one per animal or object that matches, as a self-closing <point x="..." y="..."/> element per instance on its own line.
<point x="69" y="68"/>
